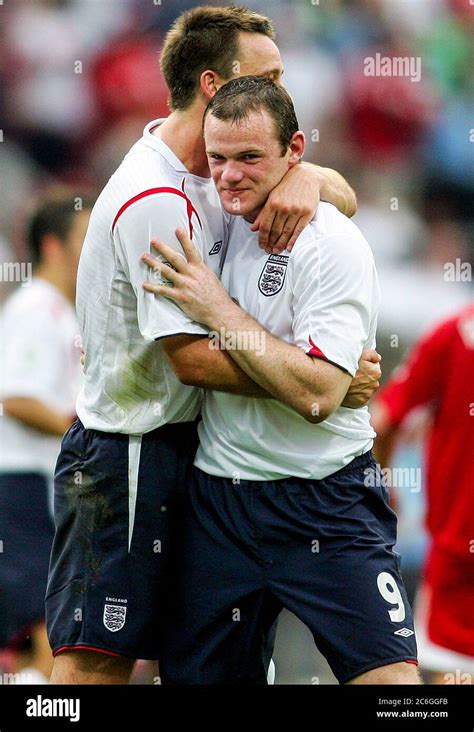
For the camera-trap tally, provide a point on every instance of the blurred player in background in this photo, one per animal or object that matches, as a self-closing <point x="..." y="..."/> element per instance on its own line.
<point x="40" y="377"/>
<point x="438" y="373"/>
<point x="276" y="478"/>
<point x="123" y="463"/>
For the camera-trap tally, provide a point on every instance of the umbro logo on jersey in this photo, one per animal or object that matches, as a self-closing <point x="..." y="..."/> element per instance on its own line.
<point x="216" y="248"/>
<point x="405" y="632"/>
<point x="273" y="274"/>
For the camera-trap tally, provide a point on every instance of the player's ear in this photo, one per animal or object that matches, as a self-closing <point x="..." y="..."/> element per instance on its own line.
<point x="210" y="82"/>
<point x="297" y="146"/>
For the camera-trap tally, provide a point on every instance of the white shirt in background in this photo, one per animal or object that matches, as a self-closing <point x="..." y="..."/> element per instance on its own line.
<point x="39" y="359"/>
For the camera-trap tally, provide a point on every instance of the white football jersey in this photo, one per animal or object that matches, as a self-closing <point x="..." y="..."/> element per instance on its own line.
<point x="39" y="359"/>
<point x="324" y="299"/>
<point x="129" y="384"/>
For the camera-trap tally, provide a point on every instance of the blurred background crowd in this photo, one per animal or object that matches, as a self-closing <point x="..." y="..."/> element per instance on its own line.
<point x="79" y="79"/>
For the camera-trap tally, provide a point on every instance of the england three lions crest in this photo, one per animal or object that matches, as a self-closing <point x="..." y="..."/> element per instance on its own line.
<point x="273" y="274"/>
<point x="114" y="617"/>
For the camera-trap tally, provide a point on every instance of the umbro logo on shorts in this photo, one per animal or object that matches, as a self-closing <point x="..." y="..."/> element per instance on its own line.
<point x="405" y="632"/>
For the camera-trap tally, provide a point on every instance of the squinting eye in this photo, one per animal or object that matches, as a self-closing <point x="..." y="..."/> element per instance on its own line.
<point x="249" y="157"/>
<point x="216" y="157"/>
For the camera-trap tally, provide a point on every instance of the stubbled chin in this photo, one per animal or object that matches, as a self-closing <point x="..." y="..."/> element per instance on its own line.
<point x="230" y="207"/>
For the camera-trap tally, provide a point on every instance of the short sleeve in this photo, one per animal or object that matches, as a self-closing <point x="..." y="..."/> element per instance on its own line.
<point x="334" y="292"/>
<point x="155" y="216"/>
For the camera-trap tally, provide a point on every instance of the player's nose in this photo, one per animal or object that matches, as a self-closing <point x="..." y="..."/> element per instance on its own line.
<point x="232" y="172"/>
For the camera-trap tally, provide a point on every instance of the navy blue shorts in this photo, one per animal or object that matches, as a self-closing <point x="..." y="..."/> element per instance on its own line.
<point x="26" y="535"/>
<point x="321" y="548"/>
<point x="118" y="514"/>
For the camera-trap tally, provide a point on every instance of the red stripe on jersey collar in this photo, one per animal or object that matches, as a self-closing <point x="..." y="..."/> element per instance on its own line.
<point x="151" y="192"/>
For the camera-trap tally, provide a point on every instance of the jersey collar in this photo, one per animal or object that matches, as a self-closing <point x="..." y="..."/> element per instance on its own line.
<point x="154" y="142"/>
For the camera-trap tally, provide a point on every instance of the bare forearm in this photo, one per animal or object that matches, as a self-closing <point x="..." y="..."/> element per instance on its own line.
<point x="283" y="370"/>
<point x="384" y="448"/>
<point x="336" y="190"/>
<point x="34" y="413"/>
<point x="221" y="373"/>
<point x="387" y="434"/>
<point x="200" y="362"/>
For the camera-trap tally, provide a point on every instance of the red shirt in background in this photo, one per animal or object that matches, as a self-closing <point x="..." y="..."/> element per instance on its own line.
<point x="439" y="372"/>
